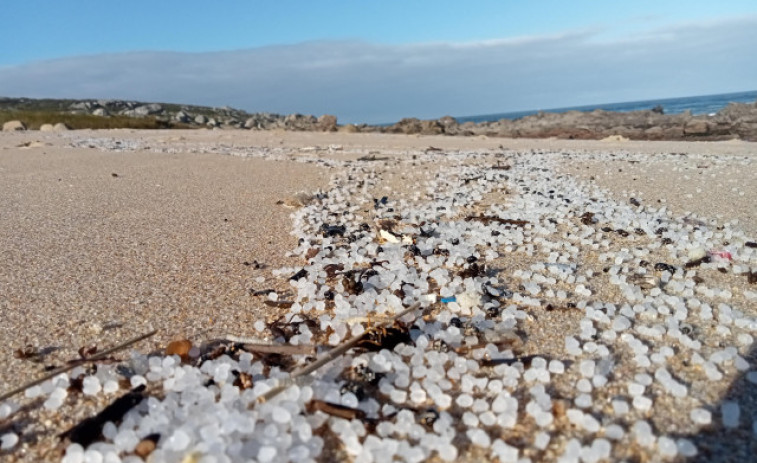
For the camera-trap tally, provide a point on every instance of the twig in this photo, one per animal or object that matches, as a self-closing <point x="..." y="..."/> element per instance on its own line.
<point x="66" y="368"/>
<point x="283" y="349"/>
<point x="328" y="357"/>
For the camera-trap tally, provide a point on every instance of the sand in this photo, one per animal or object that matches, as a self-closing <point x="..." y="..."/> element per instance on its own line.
<point x="170" y="232"/>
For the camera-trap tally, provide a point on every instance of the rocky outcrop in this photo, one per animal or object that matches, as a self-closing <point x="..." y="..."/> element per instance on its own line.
<point x="182" y="117"/>
<point x="14" y="126"/>
<point x="737" y="120"/>
<point x="327" y="123"/>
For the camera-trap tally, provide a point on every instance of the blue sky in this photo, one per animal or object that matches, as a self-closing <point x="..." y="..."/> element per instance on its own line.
<point x="381" y="60"/>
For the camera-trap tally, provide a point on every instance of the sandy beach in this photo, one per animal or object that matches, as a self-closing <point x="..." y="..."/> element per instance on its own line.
<point x="105" y="235"/>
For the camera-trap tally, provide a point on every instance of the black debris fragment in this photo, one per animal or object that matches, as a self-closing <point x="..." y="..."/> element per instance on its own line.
<point x="663" y="267"/>
<point x="90" y="430"/>
<point x="333" y="230"/>
<point x="587" y="218"/>
<point x="261" y="292"/>
<point x="301" y="274"/>
<point x="698" y="262"/>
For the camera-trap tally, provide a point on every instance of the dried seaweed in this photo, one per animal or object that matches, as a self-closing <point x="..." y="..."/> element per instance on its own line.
<point x="102" y="355"/>
<point x="587" y="218"/>
<point x="372" y="157"/>
<point x="376" y="339"/>
<point x="300" y="274"/>
<point x="90" y="429"/>
<point x="333" y="409"/>
<point x="487" y="219"/>
<point x="698" y="262"/>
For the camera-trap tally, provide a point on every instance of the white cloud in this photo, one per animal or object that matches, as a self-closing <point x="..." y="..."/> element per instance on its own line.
<point x="363" y="82"/>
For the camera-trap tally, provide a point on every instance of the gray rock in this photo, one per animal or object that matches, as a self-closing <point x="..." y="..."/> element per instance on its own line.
<point x="181" y="116"/>
<point x="201" y="119"/>
<point x="14" y="126"/>
<point x="100" y="112"/>
<point x="81" y="106"/>
<point x="148" y="109"/>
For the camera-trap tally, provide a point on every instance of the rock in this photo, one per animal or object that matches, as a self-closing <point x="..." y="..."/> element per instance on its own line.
<point x="654" y="133"/>
<point x="61" y="127"/>
<point x="349" y="128"/>
<point x="327" y="123"/>
<point x="431" y="128"/>
<point x="408" y="126"/>
<point x="449" y="124"/>
<point x="299" y="122"/>
<point x="14" y="126"/>
<point x="81" y="106"/>
<point x="147" y="110"/>
<point x="102" y="112"/>
<point x="615" y="138"/>
<point x="46" y="128"/>
<point x="696" y="127"/>
<point x="212" y="122"/>
<point x="201" y="119"/>
<point x="181" y="116"/>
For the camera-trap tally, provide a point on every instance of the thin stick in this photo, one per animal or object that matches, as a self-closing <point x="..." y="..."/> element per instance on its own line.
<point x="328" y="357"/>
<point x="280" y="349"/>
<point x="66" y="368"/>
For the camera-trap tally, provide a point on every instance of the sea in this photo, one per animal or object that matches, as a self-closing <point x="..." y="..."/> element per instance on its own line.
<point x="703" y="104"/>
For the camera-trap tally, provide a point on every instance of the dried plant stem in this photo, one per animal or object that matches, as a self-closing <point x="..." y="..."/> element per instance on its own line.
<point x="71" y="366"/>
<point x="328" y="357"/>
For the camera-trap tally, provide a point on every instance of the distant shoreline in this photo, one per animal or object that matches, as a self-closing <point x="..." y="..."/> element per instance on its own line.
<point x="697" y="104"/>
<point x="649" y="120"/>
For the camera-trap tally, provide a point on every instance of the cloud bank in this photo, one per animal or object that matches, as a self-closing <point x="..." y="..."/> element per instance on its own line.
<point x="364" y="82"/>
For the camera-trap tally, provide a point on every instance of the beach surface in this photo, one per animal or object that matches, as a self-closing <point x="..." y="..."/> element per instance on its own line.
<point x="105" y="235"/>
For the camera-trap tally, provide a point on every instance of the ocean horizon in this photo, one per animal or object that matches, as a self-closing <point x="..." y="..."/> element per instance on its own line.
<point x="700" y="104"/>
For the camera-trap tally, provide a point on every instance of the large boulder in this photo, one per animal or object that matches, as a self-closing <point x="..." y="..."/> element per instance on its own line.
<point x="408" y="126"/>
<point x="102" y="112"/>
<point x="431" y="128"/>
<point x="14" y="126"/>
<point x="201" y="119"/>
<point x="327" y="123"/>
<point x="299" y="122"/>
<point x="46" y="128"/>
<point x="148" y="109"/>
<point x="349" y="128"/>
<point x="696" y="127"/>
<point x="181" y="116"/>
<point x="449" y="124"/>
<point x="61" y="127"/>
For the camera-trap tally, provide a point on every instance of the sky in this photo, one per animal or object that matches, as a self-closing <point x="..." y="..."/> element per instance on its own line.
<point x="378" y="61"/>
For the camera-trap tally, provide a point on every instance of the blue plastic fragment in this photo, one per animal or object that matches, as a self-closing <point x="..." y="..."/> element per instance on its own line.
<point x="446" y="300"/>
